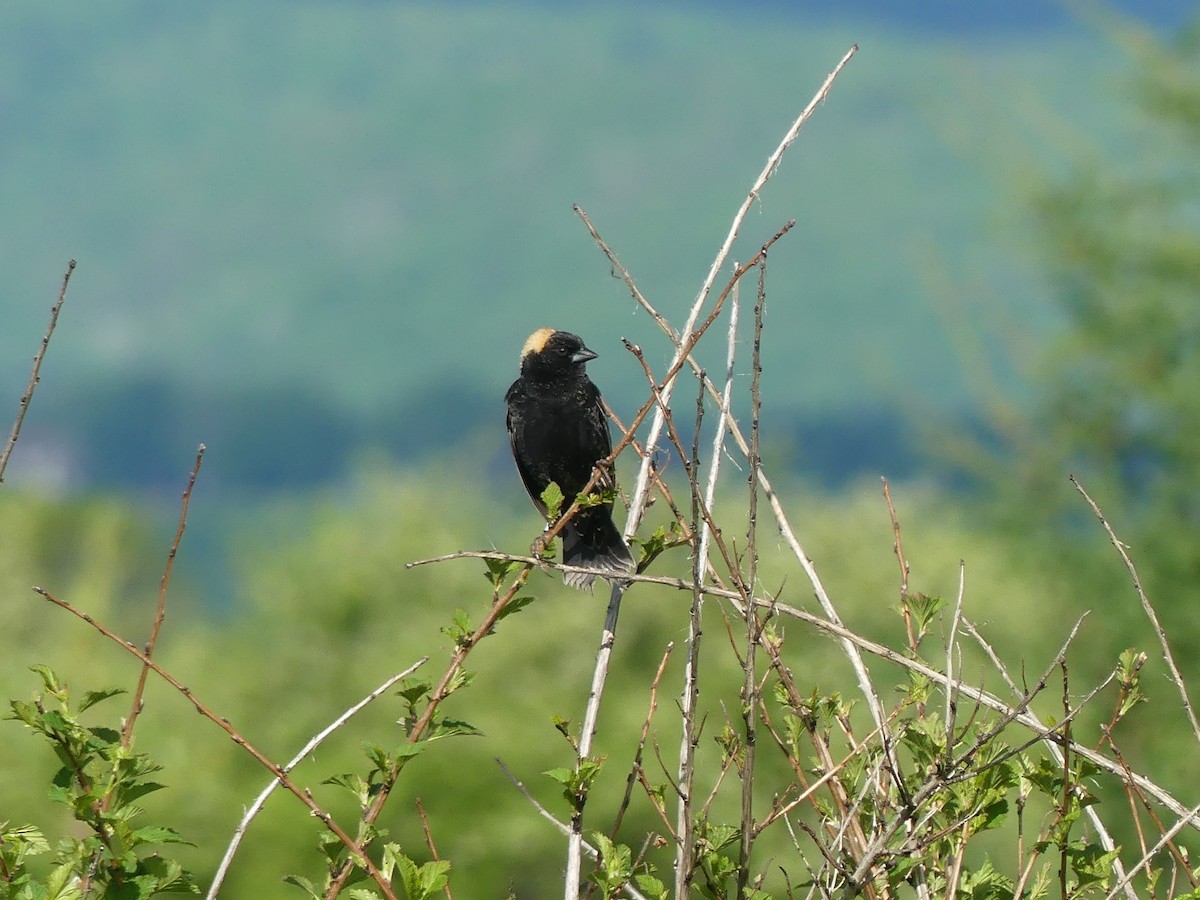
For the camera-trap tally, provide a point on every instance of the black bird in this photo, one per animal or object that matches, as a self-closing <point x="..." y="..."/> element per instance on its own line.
<point x="558" y="431"/>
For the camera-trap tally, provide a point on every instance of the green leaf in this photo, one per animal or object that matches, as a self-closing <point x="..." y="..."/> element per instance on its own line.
<point x="515" y="605"/>
<point x="91" y="698"/>
<point x="651" y="887"/>
<point x="451" y="727"/>
<point x="434" y="876"/>
<point x="377" y="755"/>
<point x="25" y="712"/>
<point x="498" y="570"/>
<point x="355" y="784"/>
<point x="461" y="679"/>
<point x="412" y="690"/>
<point x="49" y="678"/>
<point x="129" y="792"/>
<point x="408" y="751"/>
<point x="156" y="834"/>
<point x="552" y="499"/>
<point x="304" y="884"/>
<point x="419" y="882"/>
<point x="922" y="608"/>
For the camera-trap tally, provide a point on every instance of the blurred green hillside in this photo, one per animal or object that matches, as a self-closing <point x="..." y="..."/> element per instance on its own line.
<point x="325" y="618"/>
<point x="304" y="228"/>
<point x="314" y="235"/>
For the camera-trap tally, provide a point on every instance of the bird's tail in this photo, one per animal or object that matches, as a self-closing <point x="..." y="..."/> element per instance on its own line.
<point x="595" y="544"/>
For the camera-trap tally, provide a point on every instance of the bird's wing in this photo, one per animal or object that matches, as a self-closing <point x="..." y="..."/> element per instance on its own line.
<point x="527" y="477"/>
<point x="596" y="434"/>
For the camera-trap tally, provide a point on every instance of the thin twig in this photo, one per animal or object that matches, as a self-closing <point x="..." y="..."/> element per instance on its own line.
<point x="417" y="731"/>
<point x="862" y="644"/>
<point x="1150" y="614"/>
<point x="898" y="549"/>
<point x="1124" y="882"/>
<point x="608" y="637"/>
<point x="304" y="796"/>
<point x="160" y="609"/>
<point x="35" y="375"/>
<point x="631" y="780"/>
<point x="630" y="890"/>
<point x="137" y="703"/>
<point x="750" y="690"/>
<point x="848" y="646"/>
<point x="313" y="743"/>
<point x="718" y="263"/>
<point x="688" y="735"/>
<point x="1030" y="720"/>
<point x="433" y="850"/>
<point x="951" y="642"/>
<point x="657" y="401"/>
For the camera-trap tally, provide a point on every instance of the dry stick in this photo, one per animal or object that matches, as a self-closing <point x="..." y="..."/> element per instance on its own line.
<point x="750" y="689"/>
<point x="136" y="705"/>
<point x="951" y="704"/>
<point x="433" y="850"/>
<point x="781" y="519"/>
<point x="631" y="780"/>
<point x="898" y="549"/>
<point x="688" y="740"/>
<point x="658" y="401"/>
<point x="35" y="375"/>
<point x="1135" y="798"/>
<point x="777" y="508"/>
<point x="842" y="633"/>
<point x="608" y="637"/>
<point x="723" y="254"/>
<point x="681" y="352"/>
<point x="304" y="796"/>
<point x="630" y="890"/>
<point x="1158" y="629"/>
<point x="689" y="737"/>
<point x="1030" y="720"/>
<point x="441" y="692"/>
<point x="1068" y="788"/>
<point x="317" y="739"/>
<point x="160" y="609"/>
<point x="1124" y="882"/>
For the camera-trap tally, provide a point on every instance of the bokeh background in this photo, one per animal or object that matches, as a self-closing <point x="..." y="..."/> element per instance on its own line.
<point x="314" y="235"/>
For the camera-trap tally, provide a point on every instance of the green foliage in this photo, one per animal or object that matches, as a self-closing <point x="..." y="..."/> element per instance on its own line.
<point x="418" y="882"/>
<point x="99" y="780"/>
<point x="1116" y="403"/>
<point x="337" y="630"/>
<point x="552" y="498"/>
<point x="577" y="781"/>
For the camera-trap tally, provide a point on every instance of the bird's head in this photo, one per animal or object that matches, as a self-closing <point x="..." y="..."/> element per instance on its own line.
<point x="550" y="354"/>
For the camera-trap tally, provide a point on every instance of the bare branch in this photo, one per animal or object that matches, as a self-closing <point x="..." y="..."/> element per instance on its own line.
<point x="35" y="376"/>
<point x="160" y="610"/>
<point x="313" y="743"/>
<point x="281" y="776"/>
<point x="1149" y="608"/>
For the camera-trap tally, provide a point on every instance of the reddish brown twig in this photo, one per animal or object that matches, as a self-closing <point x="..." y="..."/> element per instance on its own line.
<point x="304" y="796"/>
<point x="35" y="375"/>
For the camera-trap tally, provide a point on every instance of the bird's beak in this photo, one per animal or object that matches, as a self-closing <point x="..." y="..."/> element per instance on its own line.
<point x="583" y="356"/>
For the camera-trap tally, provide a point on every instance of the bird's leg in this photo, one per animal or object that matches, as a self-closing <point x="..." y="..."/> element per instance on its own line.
<point x="538" y="547"/>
